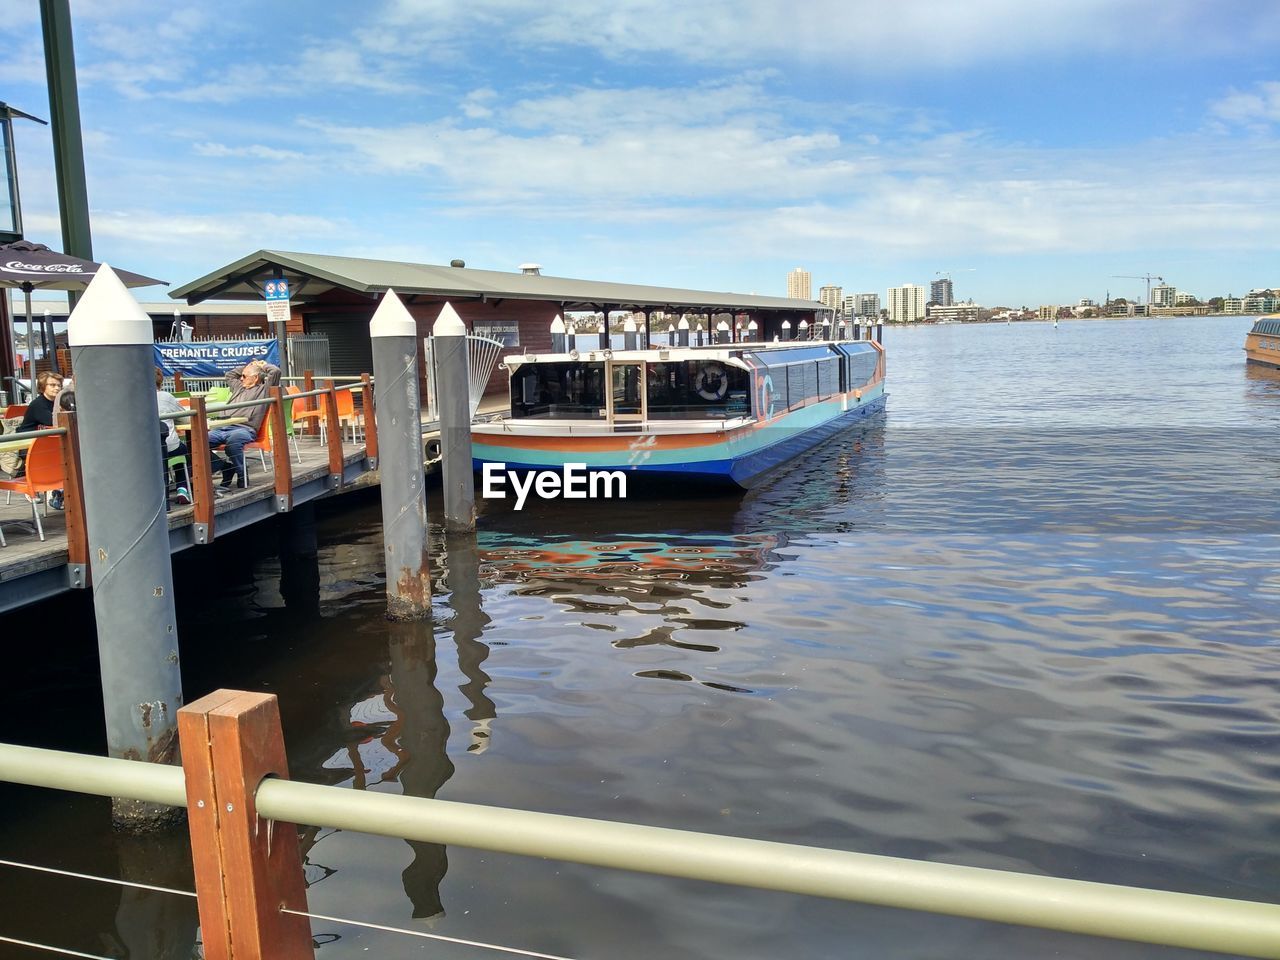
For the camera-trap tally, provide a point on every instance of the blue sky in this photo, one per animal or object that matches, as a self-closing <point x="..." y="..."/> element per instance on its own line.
<point x="1033" y="150"/>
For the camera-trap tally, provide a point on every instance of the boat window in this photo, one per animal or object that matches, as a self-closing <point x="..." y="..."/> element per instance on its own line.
<point x="862" y="367"/>
<point x="558" y="391"/>
<point x="695" y="389"/>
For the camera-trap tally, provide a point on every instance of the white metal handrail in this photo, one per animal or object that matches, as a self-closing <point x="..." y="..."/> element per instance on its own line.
<point x="1167" y="918"/>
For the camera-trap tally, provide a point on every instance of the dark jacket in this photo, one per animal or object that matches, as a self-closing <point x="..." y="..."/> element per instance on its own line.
<point x="39" y="415"/>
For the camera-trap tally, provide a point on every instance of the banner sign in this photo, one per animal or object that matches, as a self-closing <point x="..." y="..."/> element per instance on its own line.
<point x="506" y="331"/>
<point x="213" y="358"/>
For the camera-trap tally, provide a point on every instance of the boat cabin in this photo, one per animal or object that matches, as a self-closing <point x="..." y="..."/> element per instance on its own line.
<point x="750" y="382"/>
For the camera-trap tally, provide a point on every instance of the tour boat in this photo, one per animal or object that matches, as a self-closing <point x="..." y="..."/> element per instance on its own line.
<point x="726" y="412"/>
<point x="1262" y="345"/>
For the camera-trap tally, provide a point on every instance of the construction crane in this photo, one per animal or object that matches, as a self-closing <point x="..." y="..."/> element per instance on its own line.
<point x="1147" y="277"/>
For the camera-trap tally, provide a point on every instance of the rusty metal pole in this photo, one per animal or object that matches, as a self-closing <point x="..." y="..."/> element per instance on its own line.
<point x="128" y="535"/>
<point x="398" y="416"/>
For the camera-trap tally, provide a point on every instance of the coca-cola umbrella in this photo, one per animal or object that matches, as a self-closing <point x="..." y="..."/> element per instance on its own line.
<point x="33" y="266"/>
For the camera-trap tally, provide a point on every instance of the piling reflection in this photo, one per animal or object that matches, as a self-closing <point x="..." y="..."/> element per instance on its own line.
<point x="422" y="751"/>
<point x="462" y="579"/>
<point x="146" y="924"/>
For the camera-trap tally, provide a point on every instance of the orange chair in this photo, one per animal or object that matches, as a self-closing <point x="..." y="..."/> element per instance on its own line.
<point x="45" y="473"/>
<point x="319" y="414"/>
<point x="15" y="410"/>
<point x="262" y="443"/>
<point x="347" y="415"/>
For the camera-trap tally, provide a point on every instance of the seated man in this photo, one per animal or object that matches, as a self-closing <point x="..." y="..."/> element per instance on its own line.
<point x="254" y="382"/>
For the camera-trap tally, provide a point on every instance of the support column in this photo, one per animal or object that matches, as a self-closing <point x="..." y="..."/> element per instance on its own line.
<point x="722" y="332"/>
<point x="64" y="117"/>
<point x="753" y="331"/>
<point x="604" y="332"/>
<point x="394" y="336"/>
<point x="558" y="336"/>
<point x="629" y="334"/>
<point x="682" y="332"/>
<point x="128" y="535"/>
<point x="455" y="420"/>
<point x="786" y="330"/>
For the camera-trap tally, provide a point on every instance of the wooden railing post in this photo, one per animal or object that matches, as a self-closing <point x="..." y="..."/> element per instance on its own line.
<point x="334" y="431"/>
<point x="73" y="503"/>
<point x="370" y="421"/>
<point x="246" y="868"/>
<point x="201" y="473"/>
<point x="280" y="452"/>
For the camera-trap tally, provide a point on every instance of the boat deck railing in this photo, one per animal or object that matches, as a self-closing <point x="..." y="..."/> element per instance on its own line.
<point x="234" y="786"/>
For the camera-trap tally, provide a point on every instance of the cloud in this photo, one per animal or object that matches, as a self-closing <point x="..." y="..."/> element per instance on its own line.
<point x="254" y="150"/>
<point x="1257" y="108"/>
<point x="877" y="36"/>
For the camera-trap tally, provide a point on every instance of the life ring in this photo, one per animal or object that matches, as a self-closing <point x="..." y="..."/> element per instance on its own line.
<point x="767" y="397"/>
<point x="711" y="382"/>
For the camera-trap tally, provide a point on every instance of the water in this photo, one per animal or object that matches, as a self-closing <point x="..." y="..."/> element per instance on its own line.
<point x="1024" y="621"/>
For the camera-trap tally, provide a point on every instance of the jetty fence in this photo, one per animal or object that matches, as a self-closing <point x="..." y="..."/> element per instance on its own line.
<point x="242" y="808"/>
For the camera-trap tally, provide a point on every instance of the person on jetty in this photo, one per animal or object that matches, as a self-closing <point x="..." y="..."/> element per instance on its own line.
<point x="171" y="443"/>
<point x="40" y="416"/>
<point x="254" y="382"/>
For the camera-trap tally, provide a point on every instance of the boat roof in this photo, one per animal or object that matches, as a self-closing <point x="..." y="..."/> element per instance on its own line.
<point x="724" y="352"/>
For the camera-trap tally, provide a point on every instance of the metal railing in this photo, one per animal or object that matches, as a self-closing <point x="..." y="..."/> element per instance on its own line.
<point x="1160" y="917"/>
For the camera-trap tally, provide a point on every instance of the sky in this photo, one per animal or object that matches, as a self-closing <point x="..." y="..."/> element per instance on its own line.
<point x="1035" y="152"/>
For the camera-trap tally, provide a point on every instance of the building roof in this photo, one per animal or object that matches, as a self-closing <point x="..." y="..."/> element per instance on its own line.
<point x="311" y="275"/>
<point x="210" y="308"/>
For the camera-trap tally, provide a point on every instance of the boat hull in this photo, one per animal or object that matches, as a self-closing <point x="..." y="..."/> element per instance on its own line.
<point x="1262" y="345"/>
<point x="737" y="456"/>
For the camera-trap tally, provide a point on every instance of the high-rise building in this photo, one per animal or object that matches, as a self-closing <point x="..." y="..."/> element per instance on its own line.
<point x="906" y="303"/>
<point x="829" y="296"/>
<point x="849" y="305"/>
<point x="867" y="304"/>
<point x="940" y="292"/>
<point x="800" y="284"/>
<point x="1163" y="295"/>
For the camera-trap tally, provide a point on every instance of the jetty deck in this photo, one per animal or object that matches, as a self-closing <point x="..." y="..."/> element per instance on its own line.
<point x="33" y="570"/>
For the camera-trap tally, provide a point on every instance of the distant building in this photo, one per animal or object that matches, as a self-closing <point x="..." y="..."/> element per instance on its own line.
<point x="940" y="292"/>
<point x="1232" y="305"/>
<point x="956" y="312"/>
<point x="830" y="297"/>
<point x="906" y="303"/>
<point x="867" y="304"/>
<point x="1047" y="312"/>
<point x="1163" y="295"/>
<point x="800" y="284"/>
<point x="1260" y="303"/>
<point x="1086" y="302"/>
<point x="849" y="305"/>
<point x="1183" y="298"/>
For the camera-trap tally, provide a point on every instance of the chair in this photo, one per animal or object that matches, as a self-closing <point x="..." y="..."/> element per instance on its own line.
<point x="319" y="414"/>
<point x="347" y="415"/>
<point x="217" y="395"/>
<point x="45" y="473"/>
<point x="15" y="410"/>
<point x="262" y="443"/>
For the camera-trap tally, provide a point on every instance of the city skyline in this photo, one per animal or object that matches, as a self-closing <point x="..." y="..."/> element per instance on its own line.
<point x="1107" y="141"/>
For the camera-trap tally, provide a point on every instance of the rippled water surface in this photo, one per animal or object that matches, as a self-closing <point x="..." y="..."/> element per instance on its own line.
<point x="1026" y="620"/>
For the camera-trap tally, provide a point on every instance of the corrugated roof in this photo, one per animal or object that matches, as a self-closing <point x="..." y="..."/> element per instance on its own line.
<point x="312" y="274"/>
